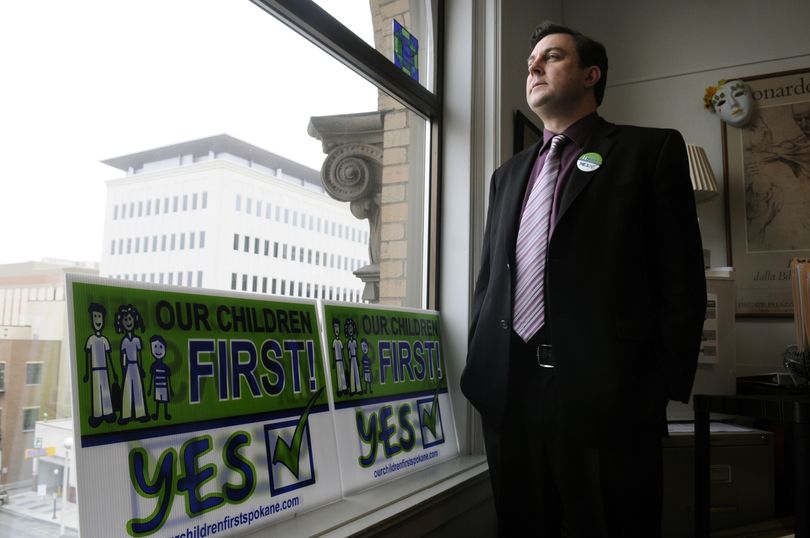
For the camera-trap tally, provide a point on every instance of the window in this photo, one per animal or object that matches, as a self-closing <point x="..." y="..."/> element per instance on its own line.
<point x="30" y="415"/>
<point x="2" y="376"/>
<point x="247" y="244"/>
<point x="185" y="107"/>
<point x="248" y="205"/>
<point x="236" y="241"/>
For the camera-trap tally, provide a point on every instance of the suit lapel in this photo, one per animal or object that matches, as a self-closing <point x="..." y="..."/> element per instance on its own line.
<point x="599" y="142"/>
<point x="513" y="197"/>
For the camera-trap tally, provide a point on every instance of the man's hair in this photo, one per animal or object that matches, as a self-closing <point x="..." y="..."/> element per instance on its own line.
<point x="590" y="52"/>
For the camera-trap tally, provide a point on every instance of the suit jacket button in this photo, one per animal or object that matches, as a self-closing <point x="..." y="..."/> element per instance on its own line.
<point x="507" y="267"/>
<point x="504" y="324"/>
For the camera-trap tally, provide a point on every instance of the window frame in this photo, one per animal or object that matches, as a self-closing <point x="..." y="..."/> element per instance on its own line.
<point x="318" y="26"/>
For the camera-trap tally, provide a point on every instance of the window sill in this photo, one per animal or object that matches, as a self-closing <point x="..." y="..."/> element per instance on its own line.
<point x="376" y="506"/>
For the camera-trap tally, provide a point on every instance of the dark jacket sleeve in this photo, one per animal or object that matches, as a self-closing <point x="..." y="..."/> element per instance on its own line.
<point x="677" y="267"/>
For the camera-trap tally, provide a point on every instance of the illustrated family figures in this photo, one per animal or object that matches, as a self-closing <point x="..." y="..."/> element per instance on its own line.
<point x="129" y="400"/>
<point x="348" y="375"/>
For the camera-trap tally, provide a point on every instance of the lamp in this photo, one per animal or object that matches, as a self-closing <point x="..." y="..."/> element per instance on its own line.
<point x="703" y="181"/>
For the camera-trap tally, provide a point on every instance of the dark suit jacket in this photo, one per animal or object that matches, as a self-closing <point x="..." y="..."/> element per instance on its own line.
<point x="625" y="284"/>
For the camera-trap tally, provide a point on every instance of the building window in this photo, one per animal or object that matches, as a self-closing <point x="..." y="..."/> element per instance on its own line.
<point x="29" y="418"/>
<point x="255" y="283"/>
<point x="248" y="205"/>
<point x="115" y="212"/>
<point x="146" y="244"/>
<point x="163" y="242"/>
<point x="182" y="241"/>
<point x="236" y="241"/>
<point x="258" y="208"/>
<point x="202" y="239"/>
<point x="129" y="245"/>
<point x="266" y="247"/>
<point x="205" y="200"/>
<point x="112" y="248"/>
<point x="267" y="210"/>
<point x="194" y="201"/>
<point x="157" y="206"/>
<point x="173" y="242"/>
<point x="256" y="245"/>
<point x="185" y="202"/>
<point x="233" y="281"/>
<point x="275" y="249"/>
<point x="244" y="282"/>
<point x="239" y="202"/>
<point x="192" y="236"/>
<point x="247" y="244"/>
<point x="273" y="286"/>
<point x="137" y="245"/>
<point x="199" y="279"/>
<point x="175" y="203"/>
<point x="264" y="284"/>
<point x="2" y="377"/>
<point x="140" y="208"/>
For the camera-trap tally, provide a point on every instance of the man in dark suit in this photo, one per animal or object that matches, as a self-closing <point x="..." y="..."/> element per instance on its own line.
<point x="586" y="324"/>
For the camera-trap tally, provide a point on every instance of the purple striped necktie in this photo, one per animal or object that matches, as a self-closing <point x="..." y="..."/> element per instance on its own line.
<point x="528" y="312"/>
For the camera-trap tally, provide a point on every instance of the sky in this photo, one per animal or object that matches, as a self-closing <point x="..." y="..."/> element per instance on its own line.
<point x="90" y="80"/>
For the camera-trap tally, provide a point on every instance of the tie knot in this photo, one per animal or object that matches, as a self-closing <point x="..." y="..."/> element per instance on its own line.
<point x="556" y="142"/>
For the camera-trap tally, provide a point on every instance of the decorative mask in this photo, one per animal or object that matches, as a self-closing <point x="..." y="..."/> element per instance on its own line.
<point x="731" y="100"/>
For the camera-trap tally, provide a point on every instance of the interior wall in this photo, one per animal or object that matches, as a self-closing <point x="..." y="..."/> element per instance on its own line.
<point x="662" y="57"/>
<point x="518" y="20"/>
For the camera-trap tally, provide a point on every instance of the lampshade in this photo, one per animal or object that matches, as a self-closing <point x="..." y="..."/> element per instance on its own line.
<point x="703" y="181"/>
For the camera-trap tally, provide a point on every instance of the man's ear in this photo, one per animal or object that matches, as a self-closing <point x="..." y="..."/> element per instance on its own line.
<point x="592" y="76"/>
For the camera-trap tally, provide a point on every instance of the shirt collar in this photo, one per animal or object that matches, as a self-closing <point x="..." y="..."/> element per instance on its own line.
<point x="577" y="131"/>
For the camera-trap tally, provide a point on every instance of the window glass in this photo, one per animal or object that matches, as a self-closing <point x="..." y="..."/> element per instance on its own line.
<point x="410" y="50"/>
<point x="110" y="153"/>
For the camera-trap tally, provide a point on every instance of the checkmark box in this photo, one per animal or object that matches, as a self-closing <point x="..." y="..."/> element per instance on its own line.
<point x="282" y="478"/>
<point x="430" y="421"/>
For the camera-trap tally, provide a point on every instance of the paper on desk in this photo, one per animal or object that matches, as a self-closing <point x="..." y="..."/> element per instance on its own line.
<point x="714" y="427"/>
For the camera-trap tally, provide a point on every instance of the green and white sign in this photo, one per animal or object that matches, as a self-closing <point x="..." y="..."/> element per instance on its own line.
<point x="389" y="386"/>
<point x="196" y="413"/>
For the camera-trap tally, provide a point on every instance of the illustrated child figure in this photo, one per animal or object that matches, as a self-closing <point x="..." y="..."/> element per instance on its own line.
<point x="98" y="365"/>
<point x="161" y="380"/>
<point x="340" y="369"/>
<point x="133" y="399"/>
<point x="366" y="361"/>
<point x="354" y="367"/>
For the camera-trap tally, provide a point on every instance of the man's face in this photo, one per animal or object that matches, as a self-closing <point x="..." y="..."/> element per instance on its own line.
<point x="801" y="115"/>
<point x="555" y="80"/>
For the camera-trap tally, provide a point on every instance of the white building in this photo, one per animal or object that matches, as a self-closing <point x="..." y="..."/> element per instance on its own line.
<point x="220" y="213"/>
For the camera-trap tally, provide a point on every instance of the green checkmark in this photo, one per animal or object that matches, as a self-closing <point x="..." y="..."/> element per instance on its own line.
<point x="429" y="418"/>
<point x="289" y="455"/>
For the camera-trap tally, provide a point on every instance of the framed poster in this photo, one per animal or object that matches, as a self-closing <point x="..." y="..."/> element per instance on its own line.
<point x="526" y="132"/>
<point x="767" y="175"/>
